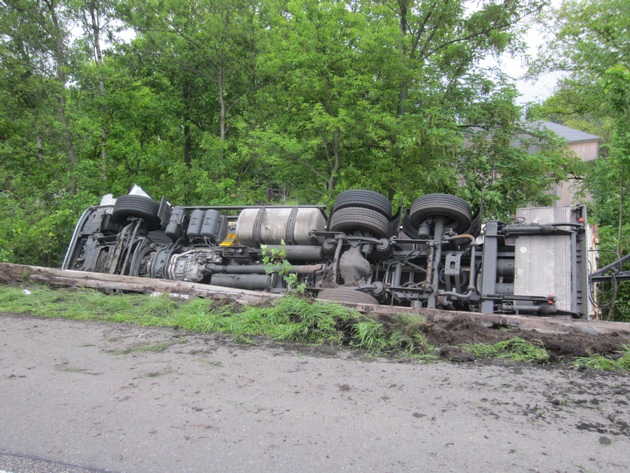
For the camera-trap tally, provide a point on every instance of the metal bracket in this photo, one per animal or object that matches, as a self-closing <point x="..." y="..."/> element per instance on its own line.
<point x="453" y="263"/>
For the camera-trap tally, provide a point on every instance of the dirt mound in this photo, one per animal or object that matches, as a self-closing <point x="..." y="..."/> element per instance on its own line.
<point x="449" y="336"/>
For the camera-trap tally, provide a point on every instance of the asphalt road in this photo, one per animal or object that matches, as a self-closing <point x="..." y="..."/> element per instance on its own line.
<point x="84" y="397"/>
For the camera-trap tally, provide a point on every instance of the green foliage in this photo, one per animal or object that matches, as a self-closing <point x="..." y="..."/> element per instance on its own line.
<point x="291" y="318"/>
<point x="621" y="363"/>
<point x="405" y="335"/>
<point x="275" y="262"/>
<point x="515" y="349"/>
<point x="36" y="228"/>
<point x="613" y="299"/>
<point x="505" y="177"/>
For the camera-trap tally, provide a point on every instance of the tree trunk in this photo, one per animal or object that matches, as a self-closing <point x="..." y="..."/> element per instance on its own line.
<point x="222" y="119"/>
<point x="336" y="161"/>
<point x="404" y="86"/>
<point x="187" y="140"/>
<point x="611" y="309"/>
<point x="621" y="203"/>
<point x="40" y="147"/>
<point x="62" y="79"/>
<point x="98" y="56"/>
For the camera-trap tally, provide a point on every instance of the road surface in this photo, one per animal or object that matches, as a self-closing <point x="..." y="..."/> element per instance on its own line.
<point x="87" y="396"/>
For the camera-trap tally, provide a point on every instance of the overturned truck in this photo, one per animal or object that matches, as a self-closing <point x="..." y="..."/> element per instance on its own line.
<point x="435" y="254"/>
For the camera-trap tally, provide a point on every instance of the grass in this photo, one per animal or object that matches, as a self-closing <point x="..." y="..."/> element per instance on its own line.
<point x="515" y="349"/>
<point x="291" y="318"/>
<point x="622" y="363"/>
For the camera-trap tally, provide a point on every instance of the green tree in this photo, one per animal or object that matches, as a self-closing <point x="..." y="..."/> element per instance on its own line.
<point x="390" y="96"/>
<point x="323" y="100"/>
<point x="207" y="51"/>
<point x="96" y="18"/>
<point x="36" y="143"/>
<point x="591" y="43"/>
<point x="144" y="130"/>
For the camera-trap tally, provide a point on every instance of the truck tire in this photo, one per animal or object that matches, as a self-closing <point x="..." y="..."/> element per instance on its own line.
<point x="137" y="206"/>
<point x="454" y="210"/>
<point x="475" y="225"/>
<point x="357" y="218"/>
<point x="365" y="199"/>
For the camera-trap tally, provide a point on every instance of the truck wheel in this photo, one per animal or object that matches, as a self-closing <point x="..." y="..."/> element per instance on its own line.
<point x="454" y="210"/>
<point x="475" y="226"/>
<point x="345" y="294"/>
<point x="356" y="218"/>
<point x="364" y="199"/>
<point x="137" y="206"/>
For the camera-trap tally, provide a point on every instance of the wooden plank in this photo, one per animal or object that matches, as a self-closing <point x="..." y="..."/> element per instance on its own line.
<point x="15" y="273"/>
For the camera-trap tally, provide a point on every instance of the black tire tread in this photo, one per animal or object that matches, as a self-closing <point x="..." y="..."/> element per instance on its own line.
<point x="366" y="199"/>
<point x="357" y="218"/>
<point x="476" y="224"/>
<point x="137" y="206"/>
<point x="455" y="209"/>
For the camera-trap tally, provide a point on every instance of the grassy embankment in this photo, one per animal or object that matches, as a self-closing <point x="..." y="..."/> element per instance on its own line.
<point x="290" y="319"/>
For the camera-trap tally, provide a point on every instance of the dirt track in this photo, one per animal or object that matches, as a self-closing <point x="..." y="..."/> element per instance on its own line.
<point x="119" y="398"/>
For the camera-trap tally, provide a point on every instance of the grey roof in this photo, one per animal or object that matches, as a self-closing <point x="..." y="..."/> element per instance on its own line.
<point x="569" y="134"/>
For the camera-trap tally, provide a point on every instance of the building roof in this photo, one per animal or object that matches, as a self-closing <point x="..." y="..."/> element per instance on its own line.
<point x="571" y="135"/>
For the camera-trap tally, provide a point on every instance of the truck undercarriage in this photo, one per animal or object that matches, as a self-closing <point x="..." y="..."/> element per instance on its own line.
<point x="436" y="254"/>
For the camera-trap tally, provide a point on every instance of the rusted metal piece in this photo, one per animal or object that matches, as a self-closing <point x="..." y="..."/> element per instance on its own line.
<point x="16" y="273"/>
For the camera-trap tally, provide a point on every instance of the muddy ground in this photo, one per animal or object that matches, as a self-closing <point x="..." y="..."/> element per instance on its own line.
<point x="448" y="336"/>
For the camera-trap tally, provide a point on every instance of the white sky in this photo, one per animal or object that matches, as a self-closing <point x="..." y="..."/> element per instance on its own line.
<point x="543" y="87"/>
<point x="531" y="91"/>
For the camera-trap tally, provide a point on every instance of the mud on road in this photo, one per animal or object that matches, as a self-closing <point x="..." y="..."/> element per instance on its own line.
<point x="119" y="398"/>
<point x="448" y="336"/>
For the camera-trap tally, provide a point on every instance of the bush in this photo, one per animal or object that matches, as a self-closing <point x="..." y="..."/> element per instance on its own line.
<point x="36" y="229"/>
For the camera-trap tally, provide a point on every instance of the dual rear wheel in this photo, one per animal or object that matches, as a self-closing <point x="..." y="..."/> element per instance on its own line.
<point x="369" y="211"/>
<point x="454" y="211"/>
<point x="362" y="210"/>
